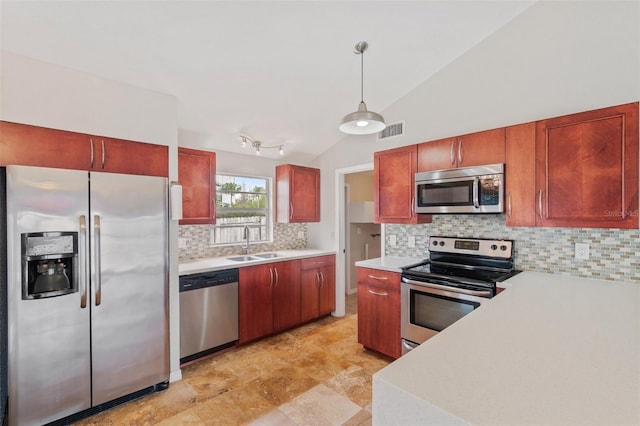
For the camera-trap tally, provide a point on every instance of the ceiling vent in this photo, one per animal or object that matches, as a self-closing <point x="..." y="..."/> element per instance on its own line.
<point x="392" y="130"/>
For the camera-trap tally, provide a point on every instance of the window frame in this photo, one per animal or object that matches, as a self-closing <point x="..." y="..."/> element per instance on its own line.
<point x="268" y="210"/>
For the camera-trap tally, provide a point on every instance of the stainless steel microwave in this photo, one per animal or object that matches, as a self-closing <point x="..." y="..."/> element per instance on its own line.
<point x="477" y="189"/>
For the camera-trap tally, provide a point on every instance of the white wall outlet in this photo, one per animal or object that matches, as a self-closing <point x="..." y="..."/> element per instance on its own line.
<point x="582" y="251"/>
<point x="358" y="230"/>
<point x="182" y="243"/>
<point x="411" y="241"/>
<point x="301" y="234"/>
<point x="392" y="240"/>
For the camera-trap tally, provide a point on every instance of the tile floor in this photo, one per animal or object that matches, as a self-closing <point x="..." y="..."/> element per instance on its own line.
<point x="316" y="374"/>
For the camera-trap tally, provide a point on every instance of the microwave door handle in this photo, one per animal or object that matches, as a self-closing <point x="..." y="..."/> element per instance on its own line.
<point x="476" y="190"/>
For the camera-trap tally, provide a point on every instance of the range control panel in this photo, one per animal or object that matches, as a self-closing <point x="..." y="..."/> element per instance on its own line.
<point x="476" y="246"/>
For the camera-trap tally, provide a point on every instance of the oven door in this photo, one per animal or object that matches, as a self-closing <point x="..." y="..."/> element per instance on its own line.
<point x="428" y="308"/>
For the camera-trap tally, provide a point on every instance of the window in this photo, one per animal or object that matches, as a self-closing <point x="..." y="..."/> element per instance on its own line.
<point x="241" y="201"/>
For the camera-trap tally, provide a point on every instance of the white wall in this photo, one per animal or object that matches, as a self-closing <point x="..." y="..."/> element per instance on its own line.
<point x="42" y="94"/>
<point x="556" y="58"/>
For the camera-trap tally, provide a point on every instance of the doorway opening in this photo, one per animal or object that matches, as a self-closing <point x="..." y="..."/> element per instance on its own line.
<point x="359" y="237"/>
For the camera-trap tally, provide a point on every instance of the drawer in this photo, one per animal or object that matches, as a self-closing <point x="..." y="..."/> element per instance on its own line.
<point x="318" y="262"/>
<point x="379" y="277"/>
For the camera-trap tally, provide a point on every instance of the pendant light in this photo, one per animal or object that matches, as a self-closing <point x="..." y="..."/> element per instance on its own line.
<point x="362" y="122"/>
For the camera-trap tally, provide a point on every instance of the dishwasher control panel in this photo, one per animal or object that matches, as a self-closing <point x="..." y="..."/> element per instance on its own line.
<point x="208" y="279"/>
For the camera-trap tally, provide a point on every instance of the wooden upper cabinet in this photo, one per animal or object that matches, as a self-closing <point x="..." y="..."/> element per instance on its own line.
<point x="133" y="158"/>
<point x="297" y="194"/>
<point x="520" y="172"/>
<point x="197" y="175"/>
<point x="473" y="149"/>
<point x="394" y="186"/>
<point x="587" y="169"/>
<point x="26" y="145"/>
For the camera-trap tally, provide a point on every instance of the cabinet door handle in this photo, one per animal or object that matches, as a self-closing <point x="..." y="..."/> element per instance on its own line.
<point x="277" y="277"/>
<point x="378" y="294"/>
<point x="509" y="205"/>
<point x="373" y="277"/>
<point x="271" y="275"/>
<point x="540" y="203"/>
<point x="321" y="278"/>
<point x="453" y="150"/>
<point x="92" y="154"/>
<point x="460" y="153"/>
<point x="103" y="155"/>
<point x="413" y="205"/>
<point x="317" y="280"/>
<point x="290" y="210"/>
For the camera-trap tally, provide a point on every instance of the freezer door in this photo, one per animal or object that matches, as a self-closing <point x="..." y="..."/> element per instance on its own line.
<point x="48" y="343"/>
<point x="129" y="297"/>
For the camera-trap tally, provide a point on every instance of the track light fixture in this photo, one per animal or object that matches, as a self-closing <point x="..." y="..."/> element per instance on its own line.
<point x="257" y="145"/>
<point x="362" y="122"/>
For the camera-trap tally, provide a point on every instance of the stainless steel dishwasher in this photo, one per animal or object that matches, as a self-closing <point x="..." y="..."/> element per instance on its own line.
<point x="208" y="313"/>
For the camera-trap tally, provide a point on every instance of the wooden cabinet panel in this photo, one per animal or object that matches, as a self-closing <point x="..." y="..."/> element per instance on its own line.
<point x="197" y="175"/>
<point x="394" y="186"/>
<point x="297" y="194"/>
<point x="520" y="183"/>
<point x="379" y="311"/>
<point x="318" y="297"/>
<point x="473" y="149"/>
<point x="486" y="147"/>
<point x="134" y="158"/>
<point x="26" y="145"/>
<point x="255" y="295"/>
<point x="286" y="294"/>
<point x="437" y="155"/>
<point x="269" y="299"/>
<point x="587" y="169"/>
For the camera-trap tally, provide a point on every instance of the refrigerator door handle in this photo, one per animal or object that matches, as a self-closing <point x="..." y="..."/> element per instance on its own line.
<point x="84" y="275"/>
<point x="98" y="282"/>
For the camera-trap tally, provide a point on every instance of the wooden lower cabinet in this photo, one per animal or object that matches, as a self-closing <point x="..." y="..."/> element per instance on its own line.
<point x="379" y="311"/>
<point x="318" y="289"/>
<point x="269" y="299"/>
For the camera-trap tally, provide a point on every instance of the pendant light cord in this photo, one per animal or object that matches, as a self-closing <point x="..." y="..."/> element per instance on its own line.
<point x="361" y="76"/>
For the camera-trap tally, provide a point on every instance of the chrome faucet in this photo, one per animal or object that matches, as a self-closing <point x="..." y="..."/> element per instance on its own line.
<point x="246" y="238"/>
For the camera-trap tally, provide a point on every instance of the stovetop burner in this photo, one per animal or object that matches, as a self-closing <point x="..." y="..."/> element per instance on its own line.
<point x="469" y="263"/>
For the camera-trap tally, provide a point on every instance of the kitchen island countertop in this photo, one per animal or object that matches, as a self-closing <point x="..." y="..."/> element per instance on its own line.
<point x="551" y="349"/>
<point x="210" y="264"/>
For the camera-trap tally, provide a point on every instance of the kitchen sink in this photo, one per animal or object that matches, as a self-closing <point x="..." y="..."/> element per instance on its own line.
<point x="242" y="258"/>
<point x="267" y="255"/>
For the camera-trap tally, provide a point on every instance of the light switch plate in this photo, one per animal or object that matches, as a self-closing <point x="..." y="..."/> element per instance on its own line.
<point x="392" y="240"/>
<point x="411" y="241"/>
<point x="582" y="251"/>
<point x="182" y="243"/>
<point x="301" y="234"/>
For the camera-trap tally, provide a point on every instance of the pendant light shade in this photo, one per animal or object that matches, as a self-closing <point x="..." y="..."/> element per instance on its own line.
<point x="363" y="121"/>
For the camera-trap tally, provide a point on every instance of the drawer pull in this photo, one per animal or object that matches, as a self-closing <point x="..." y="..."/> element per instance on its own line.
<point x="373" y="277"/>
<point x="378" y="294"/>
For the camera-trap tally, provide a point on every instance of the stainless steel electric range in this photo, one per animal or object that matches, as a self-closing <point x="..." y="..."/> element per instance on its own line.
<point x="460" y="274"/>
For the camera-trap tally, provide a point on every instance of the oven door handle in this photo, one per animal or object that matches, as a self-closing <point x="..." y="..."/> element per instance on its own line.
<point x="480" y="293"/>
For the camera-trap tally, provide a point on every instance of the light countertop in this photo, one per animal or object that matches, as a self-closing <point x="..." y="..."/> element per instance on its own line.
<point x="219" y="263"/>
<point x="388" y="263"/>
<point x="549" y="350"/>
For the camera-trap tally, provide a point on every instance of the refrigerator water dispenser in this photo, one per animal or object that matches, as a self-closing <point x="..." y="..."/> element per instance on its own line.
<point x="49" y="264"/>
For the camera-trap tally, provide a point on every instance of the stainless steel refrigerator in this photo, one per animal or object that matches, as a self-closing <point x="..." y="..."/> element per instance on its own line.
<point x="87" y="290"/>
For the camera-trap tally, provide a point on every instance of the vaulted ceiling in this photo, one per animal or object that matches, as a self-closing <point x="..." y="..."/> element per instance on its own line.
<point x="282" y="72"/>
